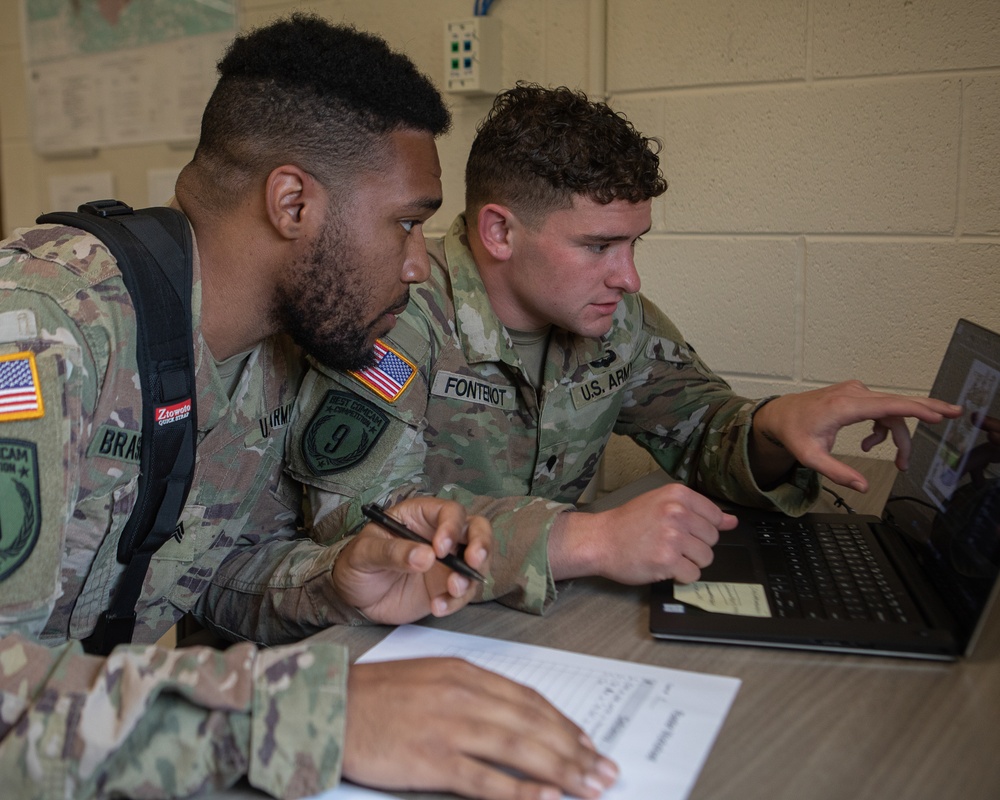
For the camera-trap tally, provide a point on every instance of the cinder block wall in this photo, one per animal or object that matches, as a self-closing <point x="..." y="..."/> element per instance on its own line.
<point x="834" y="166"/>
<point x="834" y="202"/>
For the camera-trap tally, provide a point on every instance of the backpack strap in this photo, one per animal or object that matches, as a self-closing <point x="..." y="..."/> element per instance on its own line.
<point x="153" y="249"/>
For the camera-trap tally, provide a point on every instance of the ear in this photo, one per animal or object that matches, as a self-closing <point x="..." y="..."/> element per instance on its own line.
<point x="496" y="229"/>
<point x="295" y="201"/>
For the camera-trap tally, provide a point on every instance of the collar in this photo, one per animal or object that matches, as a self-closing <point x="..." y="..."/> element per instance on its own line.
<point x="482" y="335"/>
<point x="214" y="403"/>
<point x="480" y="332"/>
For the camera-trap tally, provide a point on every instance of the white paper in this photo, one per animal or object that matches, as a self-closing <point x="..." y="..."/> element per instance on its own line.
<point x="658" y="724"/>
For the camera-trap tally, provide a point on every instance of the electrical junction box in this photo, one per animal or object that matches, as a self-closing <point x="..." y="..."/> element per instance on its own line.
<point x="472" y="56"/>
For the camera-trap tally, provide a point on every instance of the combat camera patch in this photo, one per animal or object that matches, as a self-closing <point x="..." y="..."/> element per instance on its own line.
<point x="20" y="504"/>
<point x="342" y="432"/>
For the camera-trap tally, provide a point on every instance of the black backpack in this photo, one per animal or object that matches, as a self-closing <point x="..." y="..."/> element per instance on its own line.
<point x="153" y="249"/>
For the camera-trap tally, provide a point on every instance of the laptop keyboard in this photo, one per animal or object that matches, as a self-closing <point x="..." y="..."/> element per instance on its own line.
<point x="825" y="571"/>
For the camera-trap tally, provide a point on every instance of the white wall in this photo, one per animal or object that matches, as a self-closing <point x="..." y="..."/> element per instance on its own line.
<point x="834" y="166"/>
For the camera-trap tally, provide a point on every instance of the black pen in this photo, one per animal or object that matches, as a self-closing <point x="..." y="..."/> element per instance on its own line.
<point x="394" y="526"/>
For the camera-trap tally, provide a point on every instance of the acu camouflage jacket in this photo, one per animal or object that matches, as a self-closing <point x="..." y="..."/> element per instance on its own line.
<point x="457" y="417"/>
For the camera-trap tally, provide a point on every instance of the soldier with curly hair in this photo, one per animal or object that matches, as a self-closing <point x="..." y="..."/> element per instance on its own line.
<point x="532" y="345"/>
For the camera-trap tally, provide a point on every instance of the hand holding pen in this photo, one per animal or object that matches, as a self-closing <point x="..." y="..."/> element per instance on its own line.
<point x="404" y="567"/>
<point x="397" y="528"/>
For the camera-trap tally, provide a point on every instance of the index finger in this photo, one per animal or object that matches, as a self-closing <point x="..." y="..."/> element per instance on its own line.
<point x="926" y="409"/>
<point x="451" y="527"/>
<point x="478" y="542"/>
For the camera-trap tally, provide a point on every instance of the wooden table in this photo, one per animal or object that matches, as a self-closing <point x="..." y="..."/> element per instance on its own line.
<point x="804" y="726"/>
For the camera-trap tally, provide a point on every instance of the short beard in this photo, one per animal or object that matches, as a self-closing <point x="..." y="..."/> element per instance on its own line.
<point x="341" y="348"/>
<point x="334" y="333"/>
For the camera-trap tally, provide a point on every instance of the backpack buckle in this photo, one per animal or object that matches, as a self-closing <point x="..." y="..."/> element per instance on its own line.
<point x="105" y="208"/>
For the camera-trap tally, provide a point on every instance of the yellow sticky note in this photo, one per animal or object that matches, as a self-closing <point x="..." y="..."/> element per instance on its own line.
<point x="742" y="599"/>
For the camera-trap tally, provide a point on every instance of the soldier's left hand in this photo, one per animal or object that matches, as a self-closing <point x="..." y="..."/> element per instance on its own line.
<point x="802" y="427"/>
<point x="394" y="581"/>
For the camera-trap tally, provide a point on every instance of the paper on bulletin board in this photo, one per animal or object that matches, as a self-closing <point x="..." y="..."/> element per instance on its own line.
<point x="106" y="74"/>
<point x="67" y="192"/>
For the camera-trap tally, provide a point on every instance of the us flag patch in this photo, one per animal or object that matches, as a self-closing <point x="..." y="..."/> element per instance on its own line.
<point x="20" y="391"/>
<point x="391" y="374"/>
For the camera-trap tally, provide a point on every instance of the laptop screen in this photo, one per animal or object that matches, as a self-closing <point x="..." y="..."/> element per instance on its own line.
<point x="948" y="502"/>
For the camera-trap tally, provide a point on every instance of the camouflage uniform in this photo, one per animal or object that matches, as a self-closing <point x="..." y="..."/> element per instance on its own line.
<point x="468" y="417"/>
<point x="149" y="722"/>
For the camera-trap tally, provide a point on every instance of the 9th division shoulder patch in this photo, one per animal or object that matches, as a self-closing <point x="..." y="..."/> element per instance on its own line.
<point x="20" y="503"/>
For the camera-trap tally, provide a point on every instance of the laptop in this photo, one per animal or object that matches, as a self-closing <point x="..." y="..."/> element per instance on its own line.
<point x="916" y="581"/>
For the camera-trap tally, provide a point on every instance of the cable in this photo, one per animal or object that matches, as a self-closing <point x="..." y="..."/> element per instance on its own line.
<point x="839" y="501"/>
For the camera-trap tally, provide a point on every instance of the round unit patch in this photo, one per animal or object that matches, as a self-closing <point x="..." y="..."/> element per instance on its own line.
<point x="342" y="432"/>
<point x="20" y="503"/>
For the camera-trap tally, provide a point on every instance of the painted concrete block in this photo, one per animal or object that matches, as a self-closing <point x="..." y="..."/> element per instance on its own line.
<point x="735" y="300"/>
<point x="673" y="43"/>
<point x="845" y="158"/>
<point x="891" y="38"/>
<point x="884" y="312"/>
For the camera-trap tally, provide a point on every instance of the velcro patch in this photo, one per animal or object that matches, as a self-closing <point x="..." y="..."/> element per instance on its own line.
<point x="120" y="444"/>
<point x="473" y="390"/>
<point x="342" y="432"/>
<point x="391" y="374"/>
<point x="596" y="387"/>
<point x="20" y="503"/>
<point x="20" y="389"/>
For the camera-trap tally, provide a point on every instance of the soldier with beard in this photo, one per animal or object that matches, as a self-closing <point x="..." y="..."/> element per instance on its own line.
<point x="314" y="173"/>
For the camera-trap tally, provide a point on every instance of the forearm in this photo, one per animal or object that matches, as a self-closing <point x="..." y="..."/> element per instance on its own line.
<point x="275" y="592"/>
<point x="574" y="545"/>
<point x="195" y="718"/>
<point x="520" y="574"/>
<point x="769" y="460"/>
<point x="727" y="471"/>
<point x="720" y="458"/>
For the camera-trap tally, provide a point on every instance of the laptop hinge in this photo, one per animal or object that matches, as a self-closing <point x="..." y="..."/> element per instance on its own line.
<point x="902" y="555"/>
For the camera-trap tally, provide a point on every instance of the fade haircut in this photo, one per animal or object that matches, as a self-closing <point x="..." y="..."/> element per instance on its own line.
<point x="306" y="92"/>
<point x="539" y="147"/>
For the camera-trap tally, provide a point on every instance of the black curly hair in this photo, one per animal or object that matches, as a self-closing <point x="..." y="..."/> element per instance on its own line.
<point x="302" y="90"/>
<point x="539" y="147"/>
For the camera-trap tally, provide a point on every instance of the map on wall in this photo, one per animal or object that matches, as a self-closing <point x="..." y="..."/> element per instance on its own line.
<point x="112" y="72"/>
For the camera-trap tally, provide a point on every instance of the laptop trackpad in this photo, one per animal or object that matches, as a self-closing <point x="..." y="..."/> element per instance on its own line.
<point x="732" y="563"/>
